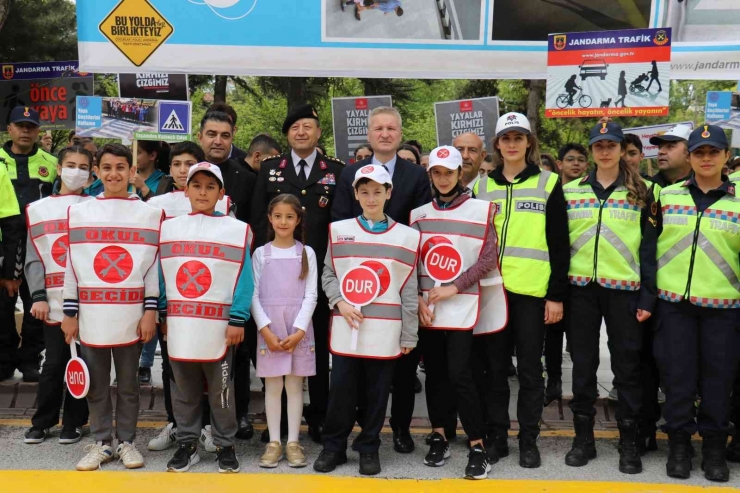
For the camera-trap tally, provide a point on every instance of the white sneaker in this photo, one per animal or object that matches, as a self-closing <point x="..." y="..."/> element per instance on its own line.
<point x="166" y="438"/>
<point x="97" y="455"/>
<point x="130" y="457"/>
<point x="206" y="439"/>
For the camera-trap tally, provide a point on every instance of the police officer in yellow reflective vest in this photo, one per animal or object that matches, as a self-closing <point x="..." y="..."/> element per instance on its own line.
<point x="532" y="226"/>
<point x="32" y="172"/>
<point x="612" y="278"/>
<point x="697" y="337"/>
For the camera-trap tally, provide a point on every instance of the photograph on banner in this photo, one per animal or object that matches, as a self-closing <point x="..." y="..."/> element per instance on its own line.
<point x="171" y="87"/>
<point x="478" y="116"/>
<point x="534" y="20"/>
<point x="50" y="88"/>
<point x="648" y="132"/>
<point x="349" y="117"/>
<point x="129" y="119"/>
<point x="723" y="109"/>
<point x="403" y="20"/>
<point x="612" y="73"/>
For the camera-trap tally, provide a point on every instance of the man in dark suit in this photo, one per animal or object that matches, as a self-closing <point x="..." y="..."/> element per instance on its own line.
<point x="216" y="136"/>
<point x="411" y="189"/>
<point x="236" y="154"/>
<point x="312" y="178"/>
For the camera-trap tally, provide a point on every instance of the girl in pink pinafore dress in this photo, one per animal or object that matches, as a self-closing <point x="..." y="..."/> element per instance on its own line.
<point x="285" y="294"/>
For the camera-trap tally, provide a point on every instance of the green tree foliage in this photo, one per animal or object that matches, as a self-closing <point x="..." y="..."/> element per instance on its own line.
<point x="39" y="30"/>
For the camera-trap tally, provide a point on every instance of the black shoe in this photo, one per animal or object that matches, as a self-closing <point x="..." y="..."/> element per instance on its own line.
<point x="68" y="436"/>
<point x="369" y="464"/>
<point x="227" y="461"/>
<point x="493" y="457"/>
<point x="357" y="13"/>
<point x="713" y="461"/>
<point x="341" y="5"/>
<point x="679" y="455"/>
<point x="478" y="466"/>
<point x="733" y="449"/>
<point x="265" y="436"/>
<point x="31" y="373"/>
<point x="529" y="454"/>
<point x="246" y="430"/>
<point x="328" y="461"/>
<point x="554" y="391"/>
<point x="646" y="440"/>
<point x="501" y="444"/>
<point x="402" y="442"/>
<point x="417" y="385"/>
<point x="35" y="435"/>
<point x="584" y="445"/>
<point x="512" y="369"/>
<point x="314" y="431"/>
<point x="629" y="453"/>
<point x="145" y="375"/>
<point x="439" y="450"/>
<point x="185" y="457"/>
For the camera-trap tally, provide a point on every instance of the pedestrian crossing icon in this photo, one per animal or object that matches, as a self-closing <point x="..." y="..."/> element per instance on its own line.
<point x="173" y="123"/>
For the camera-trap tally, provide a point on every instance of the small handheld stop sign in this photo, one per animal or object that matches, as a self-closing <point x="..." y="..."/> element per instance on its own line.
<point x="359" y="286"/>
<point x="443" y="263"/>
<point x="77" y="375"/>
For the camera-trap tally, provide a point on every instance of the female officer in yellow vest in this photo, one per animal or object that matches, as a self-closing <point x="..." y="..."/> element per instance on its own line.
<point x="698" y="240"/>
<point x="607" y="210"/>
<point x="532" y="227"/>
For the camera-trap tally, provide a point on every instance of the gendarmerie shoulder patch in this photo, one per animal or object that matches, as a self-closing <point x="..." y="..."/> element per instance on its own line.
<point x="336" y="160"/>
<point x="270" y="157"/>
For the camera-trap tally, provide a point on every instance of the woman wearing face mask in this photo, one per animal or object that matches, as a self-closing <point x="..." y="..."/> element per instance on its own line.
<point x="612" y="278"/>
<point x="46" y="257"/>
<point x="532" y="227"/>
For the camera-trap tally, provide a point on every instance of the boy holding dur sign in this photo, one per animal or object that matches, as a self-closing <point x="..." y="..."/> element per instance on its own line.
<point x="365" y="343"/>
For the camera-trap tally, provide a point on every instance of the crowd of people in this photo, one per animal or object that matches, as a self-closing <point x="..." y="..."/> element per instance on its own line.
<point x="227" y="258"/>
<point x="134" y="111"/>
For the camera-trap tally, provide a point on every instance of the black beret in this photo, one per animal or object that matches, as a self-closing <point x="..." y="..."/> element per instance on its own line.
<point x="302" y="111"/>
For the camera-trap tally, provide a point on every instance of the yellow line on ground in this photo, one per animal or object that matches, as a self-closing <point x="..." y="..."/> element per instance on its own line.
<point x="634" y="15"/>
<point x="115" y="482"/>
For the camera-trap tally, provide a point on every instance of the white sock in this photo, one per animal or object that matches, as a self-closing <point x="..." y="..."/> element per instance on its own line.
<point x="273" y="392"/>
<point x="294" y="389"/>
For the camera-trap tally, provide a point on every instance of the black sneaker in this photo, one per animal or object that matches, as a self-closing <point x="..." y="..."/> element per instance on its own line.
<point x="69" y="436"/>
<point x="185" y="457"/>
<point x="145" y="375"/>
<point x="369" y="464"/>
<point x="478" y="466"/>
<point x="245" y="430"/>
<point x="36" y="435"/>
<point x="227" y="461"/>
<point x="328" y="461"/>
<point x="439" y="450"/>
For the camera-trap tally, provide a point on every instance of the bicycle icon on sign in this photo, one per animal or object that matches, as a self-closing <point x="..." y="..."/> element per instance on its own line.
<point x="583" y="100"/>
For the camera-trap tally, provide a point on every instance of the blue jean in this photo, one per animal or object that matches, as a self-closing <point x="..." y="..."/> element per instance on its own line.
<point x="147" y="353"/>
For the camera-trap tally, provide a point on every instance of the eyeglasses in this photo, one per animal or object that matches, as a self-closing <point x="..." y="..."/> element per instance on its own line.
<point x="575" y="159"/>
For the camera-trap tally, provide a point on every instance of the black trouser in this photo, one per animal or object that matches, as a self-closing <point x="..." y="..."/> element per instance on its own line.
<point x="554" y="351"/>
<point x="447" y="359"/>
<point x="650" y="409"/>
<point x="404" y="397"/>
<point x="318" y="385"/>
<point x="697" y="353"/>
<point x="587" y="306"/>
<point x="348" y="374"/>
<point x="488" y="388"/>
<point x="526" y="328"/>
<point x="245" y="352"/>
<point x="32" y="332"/>
<point x="735" y="402"/>
<point x="51" y="388"/>
<point x="167" y="378"/>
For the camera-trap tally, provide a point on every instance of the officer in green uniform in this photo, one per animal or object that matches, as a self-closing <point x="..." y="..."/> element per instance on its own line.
<point x="32" y="172"/>
<point x="312" y="178"/>
<point x="696" y="341"/>
<point x="612" y="278"/>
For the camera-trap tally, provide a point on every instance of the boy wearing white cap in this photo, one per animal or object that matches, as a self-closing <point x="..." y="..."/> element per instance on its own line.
<point x="207" y="277"/>
<point x="386" y="327"/>
<point x="446" y="338"/>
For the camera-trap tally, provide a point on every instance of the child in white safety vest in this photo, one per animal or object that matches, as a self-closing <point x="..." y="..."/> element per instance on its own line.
<point x="285" y="278"/>
<point x="208" y="284"/>
<point x="383" y="330"/>
<point x="111" y="286"/>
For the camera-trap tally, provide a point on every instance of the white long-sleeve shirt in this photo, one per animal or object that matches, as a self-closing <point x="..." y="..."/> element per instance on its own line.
<point x="310" y="296"/>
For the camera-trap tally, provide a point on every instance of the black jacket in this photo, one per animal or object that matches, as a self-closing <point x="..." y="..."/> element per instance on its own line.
<point x="277" y="176"/>
<point x="556" y="232"/>
<point x="411" y="189"/>
<point x="240" y="157"/>
<point x="239" y="185"/>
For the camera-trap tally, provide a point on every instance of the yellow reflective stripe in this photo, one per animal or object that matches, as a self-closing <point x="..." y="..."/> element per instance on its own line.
<point x="680" y="246"/>
<point x="620" y="246"/>
<point x="582" y="240"/>
<point x="527" y="253"/>
<point x="718" y="260"/>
